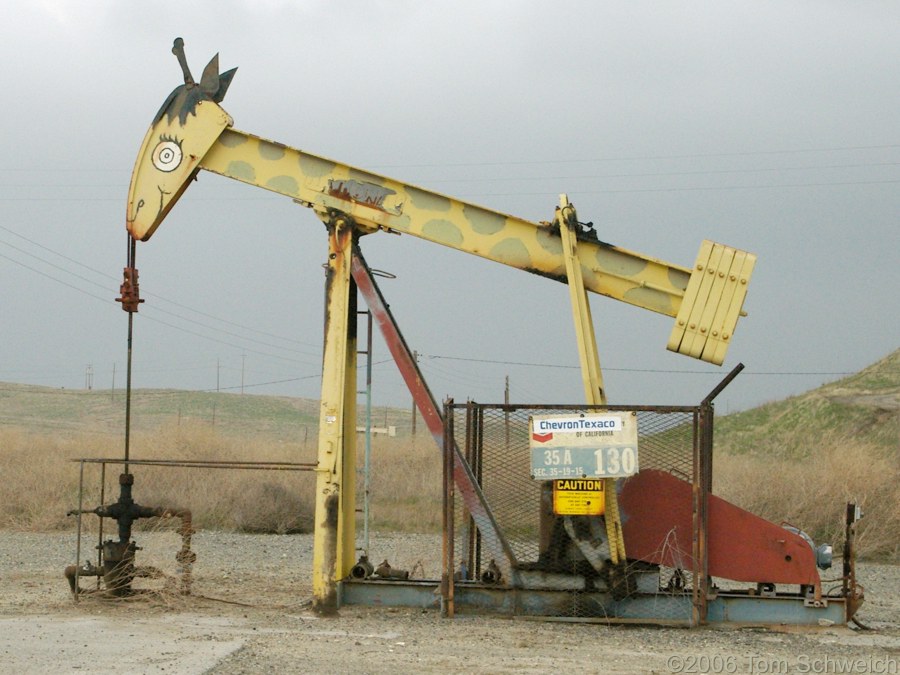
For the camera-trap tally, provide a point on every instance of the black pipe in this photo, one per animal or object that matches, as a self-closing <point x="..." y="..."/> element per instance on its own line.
<point x="724" y="383"/>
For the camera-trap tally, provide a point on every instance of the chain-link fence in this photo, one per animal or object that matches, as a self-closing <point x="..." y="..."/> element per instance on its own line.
<point x="565" y="559"/>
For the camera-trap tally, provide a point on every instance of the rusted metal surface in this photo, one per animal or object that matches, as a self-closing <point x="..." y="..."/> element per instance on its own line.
<point x="334" y="531"/>
<point x="325" y="601"/>
<point x="396" y="343"/>
<point x="658" y="518"/>
<point x="462" y="475"/>
<point x="118" y="567"/>
<point x="115" y="559"/>
<point x="386" y="571"/>
<point x="357" y="192"/>
<point x="363" y="568"/>
<point x="129" y="291"/>
<point x="207" y="464"/>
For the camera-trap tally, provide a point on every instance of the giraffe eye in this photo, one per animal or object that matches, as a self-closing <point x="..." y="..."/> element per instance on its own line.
<point x="167" y="154"/>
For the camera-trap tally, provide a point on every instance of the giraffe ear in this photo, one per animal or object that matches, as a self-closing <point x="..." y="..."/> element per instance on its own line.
<point x="224" y="81"/>
<point x="209" y="83"/>
<point x="214" y="85"/>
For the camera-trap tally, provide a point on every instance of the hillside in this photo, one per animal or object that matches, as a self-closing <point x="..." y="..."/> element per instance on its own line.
<point x="864" y="407"/>
<point x="49" y="410"/>
<point x="799" y="460"/>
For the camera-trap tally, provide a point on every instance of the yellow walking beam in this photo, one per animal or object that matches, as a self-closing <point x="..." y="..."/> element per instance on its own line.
<point x="374" y="202"/>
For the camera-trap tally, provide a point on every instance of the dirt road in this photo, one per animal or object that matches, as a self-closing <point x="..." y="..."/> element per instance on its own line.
<point x="249" y="614"/>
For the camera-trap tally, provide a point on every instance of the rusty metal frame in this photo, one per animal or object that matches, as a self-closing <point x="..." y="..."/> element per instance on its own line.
<point x="702" y="456"/>
<point x="702" y="485"/>
<point x="448" y="509"/>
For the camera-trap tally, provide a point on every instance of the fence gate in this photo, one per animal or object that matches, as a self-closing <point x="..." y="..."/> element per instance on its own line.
<point x="557" y="565"/>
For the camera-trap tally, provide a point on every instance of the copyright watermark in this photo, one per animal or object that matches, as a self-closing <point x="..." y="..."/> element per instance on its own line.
<point x="718" y="664"/>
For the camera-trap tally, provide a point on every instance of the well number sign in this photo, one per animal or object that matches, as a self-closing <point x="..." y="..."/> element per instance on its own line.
<point x="584" y="446"/>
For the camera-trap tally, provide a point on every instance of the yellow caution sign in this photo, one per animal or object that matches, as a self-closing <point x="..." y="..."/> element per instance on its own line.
<point x="579" y="497"/>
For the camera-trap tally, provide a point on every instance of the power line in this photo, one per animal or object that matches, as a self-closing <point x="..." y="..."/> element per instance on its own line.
<point x="149" y="295"/>
<point x="625" y="370"/>
<point x="708" y="188"/>
<point x="151" y="309"/>
<point x="224" y="342"/>
<point x="568" y="160"/>
<point x="177" y="392"/>
<point x="438" y="356"/>
<point x="525" y="193"/>
<point x="658" y="174"/>
<point x="507" y="179"/>
<point x="291" y="379"/>
<point x="635" y="158"/>
<point x="148" y="318"/>
<point x="59" y="281"/>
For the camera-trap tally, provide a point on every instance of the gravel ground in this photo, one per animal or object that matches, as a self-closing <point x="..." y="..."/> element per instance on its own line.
<point x="250" y="613"/>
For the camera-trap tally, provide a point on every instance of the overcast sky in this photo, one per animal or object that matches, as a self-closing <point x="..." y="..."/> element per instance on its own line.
<point x="768" y="126"/>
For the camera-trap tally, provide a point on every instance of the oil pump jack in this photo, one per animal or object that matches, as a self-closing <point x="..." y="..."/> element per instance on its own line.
<point x="192" y="132"/>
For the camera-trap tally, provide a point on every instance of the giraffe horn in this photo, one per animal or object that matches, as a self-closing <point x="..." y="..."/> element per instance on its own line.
<point x="178" y="51"/>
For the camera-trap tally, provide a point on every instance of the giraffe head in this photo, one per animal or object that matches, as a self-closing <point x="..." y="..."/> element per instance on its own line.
<point x="185" y="128"/>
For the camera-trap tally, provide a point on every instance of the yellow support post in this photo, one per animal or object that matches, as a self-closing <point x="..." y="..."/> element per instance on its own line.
<point x="346" y="554"/>
<point x="334" y="532"/>
<point x="591" y="375"/>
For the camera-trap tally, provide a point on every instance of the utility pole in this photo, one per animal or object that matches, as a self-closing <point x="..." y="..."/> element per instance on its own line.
<point x="89" y="377"/>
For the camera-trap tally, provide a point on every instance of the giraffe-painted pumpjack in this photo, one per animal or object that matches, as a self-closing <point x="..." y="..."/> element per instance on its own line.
<point x="191" y="132"/>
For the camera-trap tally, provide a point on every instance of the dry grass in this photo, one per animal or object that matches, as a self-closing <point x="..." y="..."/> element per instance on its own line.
<point x="811" y="493"/>
<point x="39" y="485"/>
<point x="405" y="485"/>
